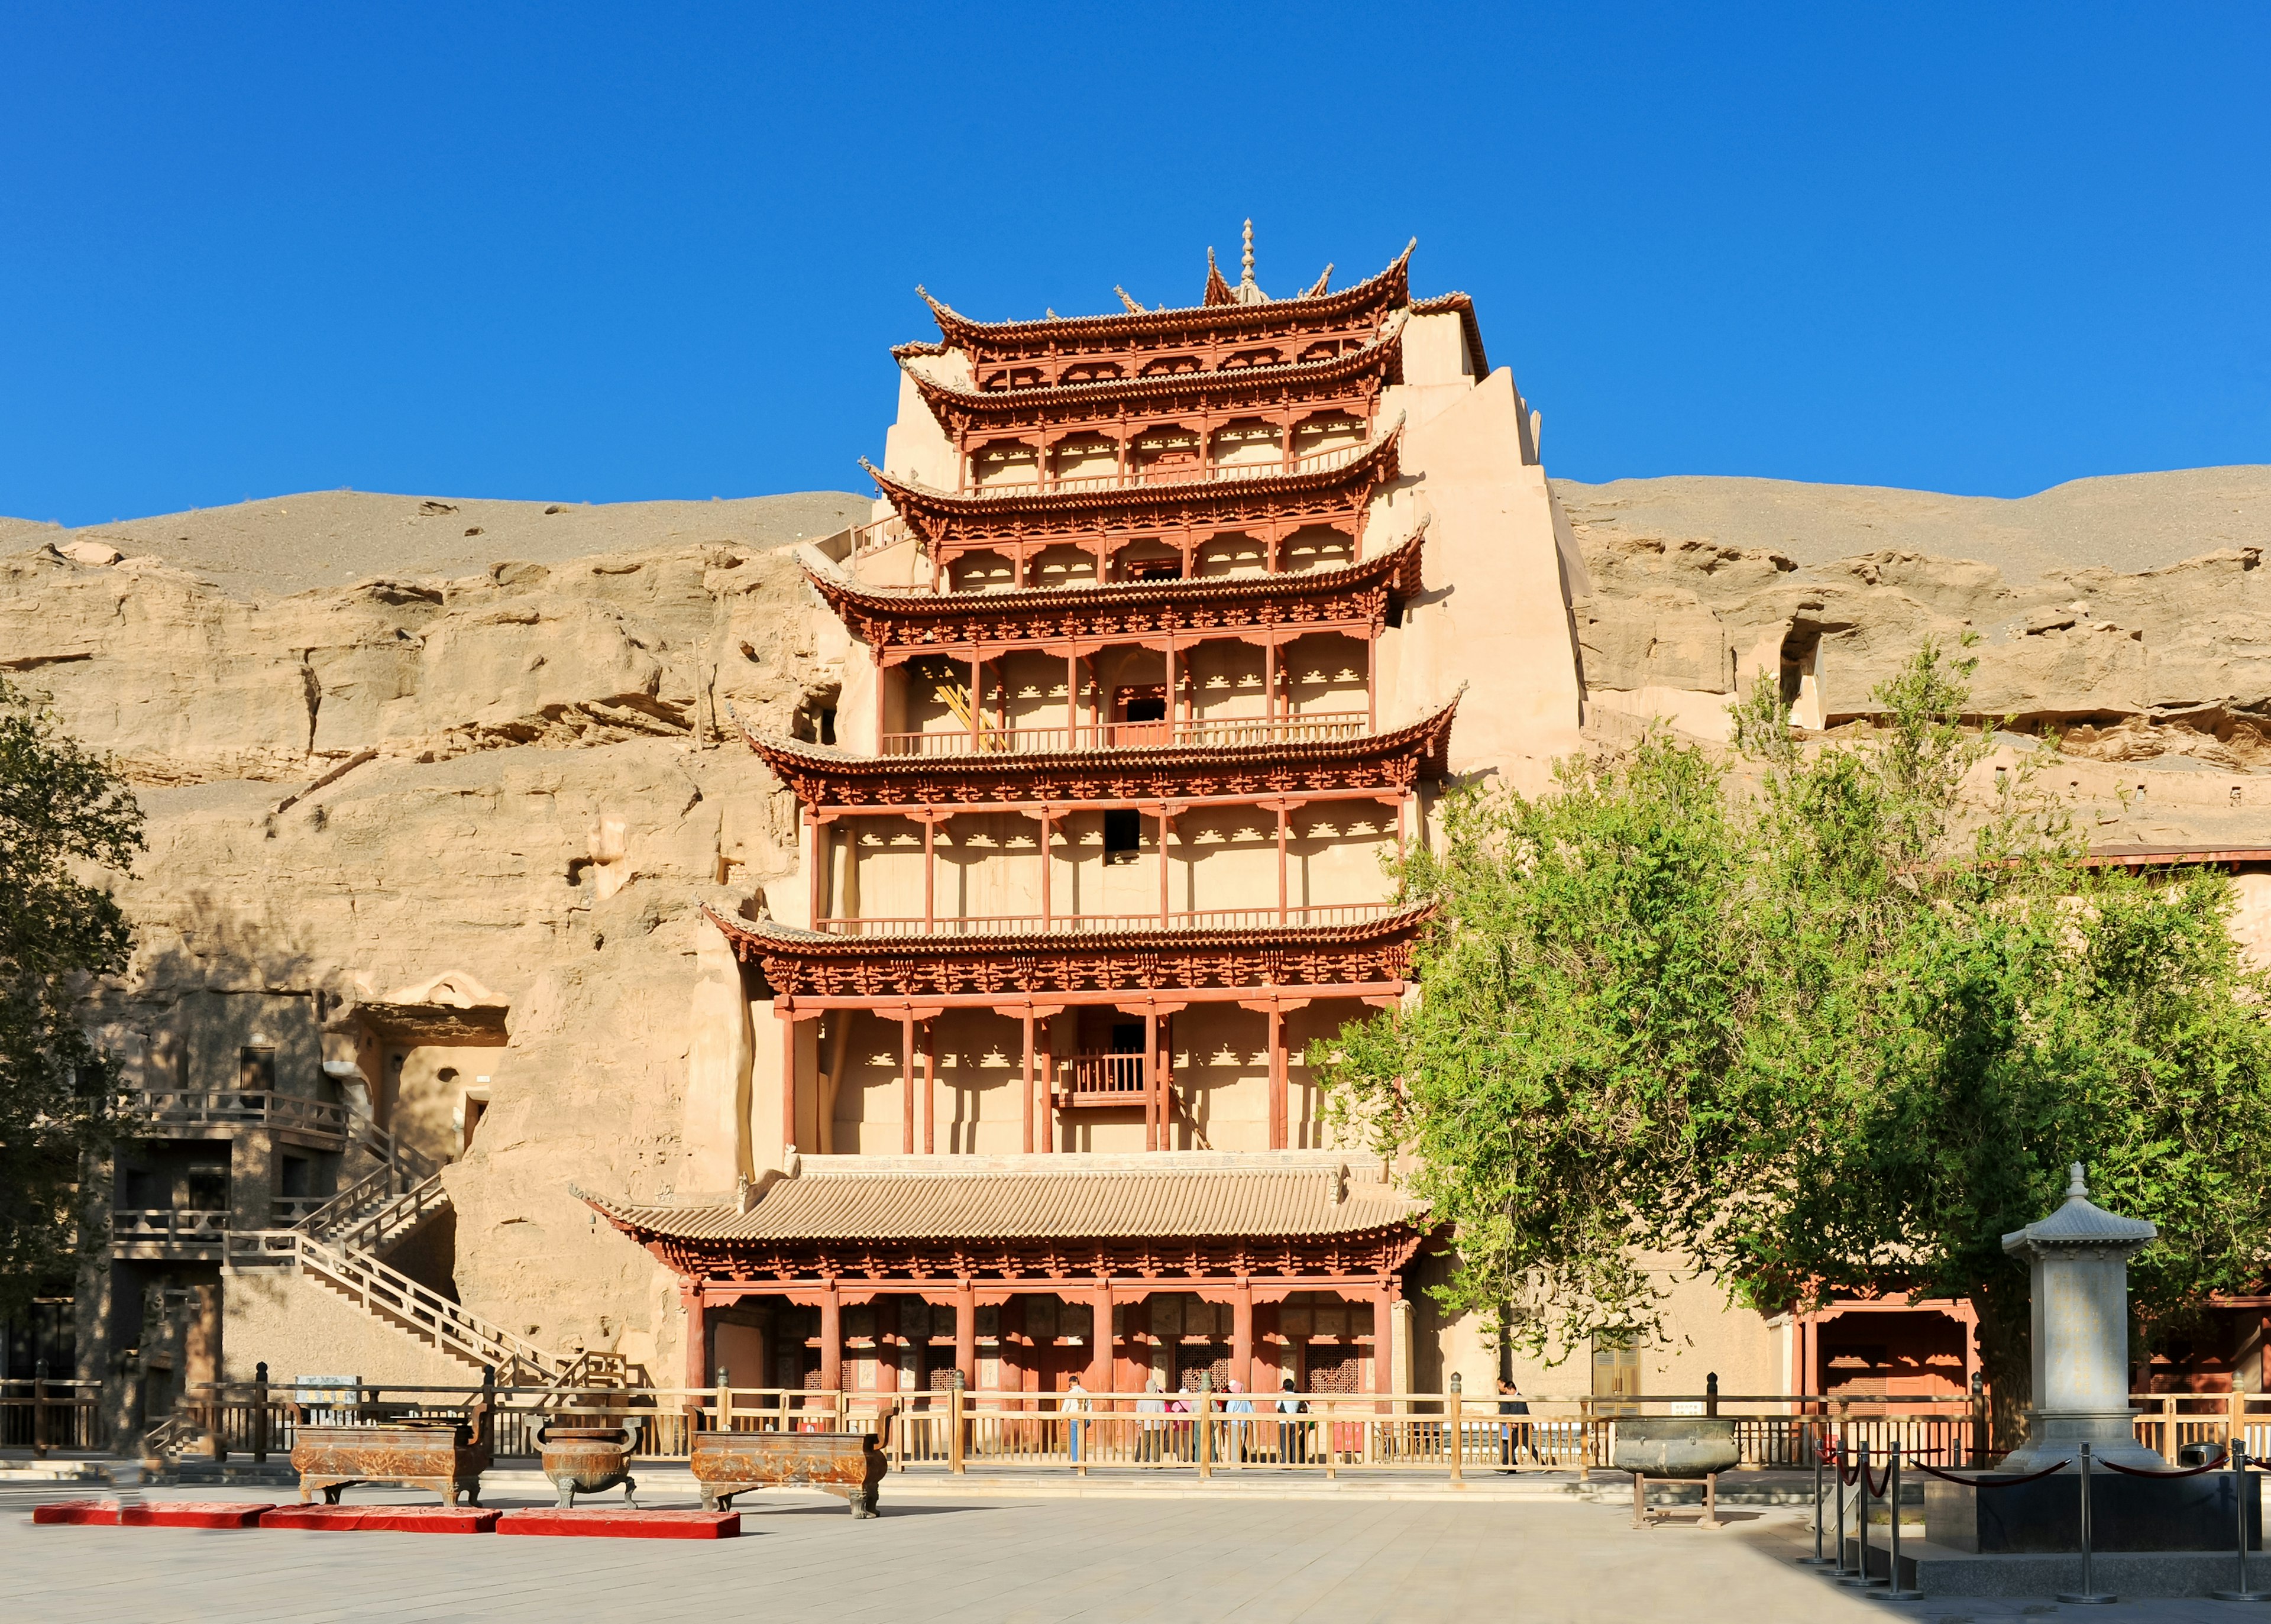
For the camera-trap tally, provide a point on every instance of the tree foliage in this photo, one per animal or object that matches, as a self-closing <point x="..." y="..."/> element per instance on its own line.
<point x="1816" y="1020"/>
<point x="64" y="817"/>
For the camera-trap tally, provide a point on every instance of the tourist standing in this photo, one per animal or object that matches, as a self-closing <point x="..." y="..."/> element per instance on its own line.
<point x="1292" y="1446"/>
<point x="1512" y="1438"/>
<point x="1074" y="1405"/>
<point x="1153" y="1407"/>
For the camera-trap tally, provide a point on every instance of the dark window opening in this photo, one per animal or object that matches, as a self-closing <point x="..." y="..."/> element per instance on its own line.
<point x="297" y="1176"/>
<point x="1153" y="709"/>
<point x="256" y="1068"/>
<point x="1154" y="569"/>
<point x="828" y="725"/>
<point x="138" y="1190"/>
<point x="1126" y="1037"/>
<point x="208" y="1189"/>
<point x="1123" y="836"/>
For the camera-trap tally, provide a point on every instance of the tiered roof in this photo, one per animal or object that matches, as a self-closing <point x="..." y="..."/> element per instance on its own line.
<point x="822" y="776"/>
<point x="1358" y="373"/>
<point x="1218" y="329"/>
<point x="901" y="625"/>
<point x="799" y="964"/>
<point x="858" y="1219"/>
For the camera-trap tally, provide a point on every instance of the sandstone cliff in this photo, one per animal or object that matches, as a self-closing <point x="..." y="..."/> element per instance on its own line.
<point x="386" y="743"/>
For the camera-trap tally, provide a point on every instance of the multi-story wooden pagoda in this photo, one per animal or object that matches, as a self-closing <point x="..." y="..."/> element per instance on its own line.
<point x="1092" y="843"/>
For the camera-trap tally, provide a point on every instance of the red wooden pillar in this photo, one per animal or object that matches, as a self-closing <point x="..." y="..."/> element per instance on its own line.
<point x="1169" y="715"/>
<point x="1277" y="1113"/>
<point x="1028" y="1075"/>
<point x="1241" y="1333"/>
<point x="1155" y="1124"/>
<point x="697" y="1337"/>
<point x="1371" y="680"/>
<point x="1048" y="1110"/>
<point x="788" y="1074"/>
<point x="818" y="858"/>
<point x="1383" y="1337"/>
<point x="1166" y="816"/>
<point x="832" y="1339"/>
<point x="908" y="1081"/>
<point x="977" y="697"/>
<point x="1072" y="699"/>
<point x="930" y="852"/>
<point x="1100" y="1362"/>
<point x="1048" y="904"/>
<point x="1283" y="810"/>
<point x="929" y="1089"/>
<point x="965" y="1332"/>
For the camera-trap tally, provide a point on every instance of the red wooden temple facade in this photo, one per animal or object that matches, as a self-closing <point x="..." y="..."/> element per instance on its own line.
<point x="1093" y="859"/>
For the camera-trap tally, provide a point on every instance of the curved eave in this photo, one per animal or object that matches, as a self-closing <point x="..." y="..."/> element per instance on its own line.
<point x="1398" y="569"/>
<point x="1391" y="286"/>
<point x="793" y="942"/>
<point x="1429" y="737"/>
<point x="1382" y="353"/>
<point x="1444" y="303"/>
<point x="1381" y="455"/>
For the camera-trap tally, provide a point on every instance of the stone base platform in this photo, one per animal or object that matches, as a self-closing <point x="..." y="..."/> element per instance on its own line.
<point x="1941" y="1570"/>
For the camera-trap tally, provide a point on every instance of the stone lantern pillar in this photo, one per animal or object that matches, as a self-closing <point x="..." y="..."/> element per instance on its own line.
<point x="2080" y="1259"/>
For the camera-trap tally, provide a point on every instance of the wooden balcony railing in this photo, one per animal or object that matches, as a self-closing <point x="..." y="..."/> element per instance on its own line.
<point x="169" y="1226"/>
<point x="1101" y="1079"/>
<point x="46" y="1413"/>
<point x="1217" y="732"/>
<point x="165" y="1109"/>
<point x="1083" y="924"/>
<point x="1179" y="473"/>
<point x="947" y="1429"/>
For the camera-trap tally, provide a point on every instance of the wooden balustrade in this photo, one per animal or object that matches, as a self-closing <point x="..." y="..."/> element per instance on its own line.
<point x="1211" y="732"/>
<point x="1079" y="924"/>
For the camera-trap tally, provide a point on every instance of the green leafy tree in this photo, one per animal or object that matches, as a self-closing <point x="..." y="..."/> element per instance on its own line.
<point x="65" y="816"/>
<point x="1818" y="1022"/>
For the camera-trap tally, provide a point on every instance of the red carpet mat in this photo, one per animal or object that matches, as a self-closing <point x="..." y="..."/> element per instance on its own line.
<point x="195" y="1514"/>
<point x="384" y="1519"/>
<point x="83" y="1513"/>
<point x="608" y="1525"/>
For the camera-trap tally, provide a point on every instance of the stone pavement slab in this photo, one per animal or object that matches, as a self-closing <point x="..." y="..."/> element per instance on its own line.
<point x="970" y="1560"/>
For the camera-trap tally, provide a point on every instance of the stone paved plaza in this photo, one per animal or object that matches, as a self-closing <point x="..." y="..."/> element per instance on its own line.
<point x="976" y="1557"/>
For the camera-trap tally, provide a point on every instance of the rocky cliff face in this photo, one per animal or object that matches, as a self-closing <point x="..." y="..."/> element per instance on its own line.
<point x="2136" y="630"/>
<point x="388" y="743"/>
<point x="522" y="780"/>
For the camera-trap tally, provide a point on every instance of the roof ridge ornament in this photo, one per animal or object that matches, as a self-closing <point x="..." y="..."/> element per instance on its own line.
<point x="1128" y="299"/>
<point x="1316" y="289"/>
<point x="1248" y="293"/>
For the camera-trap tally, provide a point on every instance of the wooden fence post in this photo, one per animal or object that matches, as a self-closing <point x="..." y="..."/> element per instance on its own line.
<point x="1455" y="1432"/>
<point x="40" y="1410"/>
<point x="954" y="1423"/>
<point x="1206" y="1424"/>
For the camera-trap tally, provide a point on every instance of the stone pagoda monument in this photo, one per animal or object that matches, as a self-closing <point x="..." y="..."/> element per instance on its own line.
<point x="2080" y="1259"/>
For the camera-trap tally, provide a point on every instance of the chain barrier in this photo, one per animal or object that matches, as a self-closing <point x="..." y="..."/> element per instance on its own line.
<point x="2174" y="1472"/>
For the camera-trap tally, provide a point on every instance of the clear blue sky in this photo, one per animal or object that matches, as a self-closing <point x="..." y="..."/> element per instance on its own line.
<point x="596" y="253"/>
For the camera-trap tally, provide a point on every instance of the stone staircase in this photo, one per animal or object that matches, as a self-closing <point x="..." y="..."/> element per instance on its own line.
<point x="339" y="1244"/>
